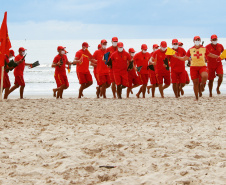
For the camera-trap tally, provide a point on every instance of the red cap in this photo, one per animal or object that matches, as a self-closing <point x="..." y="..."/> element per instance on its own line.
<point x="21" y="49"/>
<point x="103" y="41"/>
<point x="155" y="45"/>
<point x="163" y="44"/>
<point x="85" y="44"/>
<point x="174" y="41"/>
<point x="214" y="37"/>
<point x="11" y="52"/>
<point x="99" y="46"/>
<point x="131" y="50"/>
<point x="60" y="48"/>
<point x="120" y="44"/>
<point x="180" y="44"/>
<point x="144" y="47"/>
<point x="115" y="39"/>
<point x="197" y="37"/>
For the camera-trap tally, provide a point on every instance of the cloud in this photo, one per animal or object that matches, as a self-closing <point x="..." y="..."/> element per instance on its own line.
<point x="60" y="30"/>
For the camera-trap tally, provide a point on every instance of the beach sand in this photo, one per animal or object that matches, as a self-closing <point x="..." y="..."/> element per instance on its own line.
<point x="150" y="141"/>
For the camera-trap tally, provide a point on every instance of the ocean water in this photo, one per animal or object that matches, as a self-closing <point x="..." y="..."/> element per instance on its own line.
<point x="40" y="80"/>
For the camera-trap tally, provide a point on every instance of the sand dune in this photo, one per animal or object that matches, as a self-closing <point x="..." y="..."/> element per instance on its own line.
<point x="150" y="141"/>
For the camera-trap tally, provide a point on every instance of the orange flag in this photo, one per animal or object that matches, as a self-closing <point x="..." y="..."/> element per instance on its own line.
<point x="5" y="43"/>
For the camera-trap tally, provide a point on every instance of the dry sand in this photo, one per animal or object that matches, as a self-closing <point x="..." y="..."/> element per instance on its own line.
<point x="150" y="141"/>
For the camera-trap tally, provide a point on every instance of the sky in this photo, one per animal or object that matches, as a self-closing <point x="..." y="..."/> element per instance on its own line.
<point x="126" y="19"/>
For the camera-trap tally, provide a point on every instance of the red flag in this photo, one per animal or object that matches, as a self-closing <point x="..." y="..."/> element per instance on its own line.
<point x="5" y="43"/>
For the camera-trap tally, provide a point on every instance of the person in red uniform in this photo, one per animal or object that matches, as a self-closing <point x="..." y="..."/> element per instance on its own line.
<point x="180" y="44"/>
<point x="103" y="79"/>
<point x="141" y="59"/>
<point x="112" y="49"/>
<point x="19" y="72"/>
<point x="82" y="58"/>
<point x="157" y="60"/>
<point x="6" y="82"/>
<point x="120" y="61"/>
<point x="214" y="65"/>
<point x="198" y="66"/>
<point x="178" y="73"/>
<point x="152" y="75"/>
<point x="59" y="63"/>
<point x="134" y="80"/>
<point x="95" y="73"/>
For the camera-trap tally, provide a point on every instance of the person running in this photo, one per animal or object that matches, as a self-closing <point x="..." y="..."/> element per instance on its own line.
<point x="152" y="75"/>
<point x="112" y="49"/>
<point x="215" y="65"/>
<point x="120" y="61"/>
<point x="59" y="63"/>
<point x="103" y="78"/>
<point x="82" y="58"/>
<point x="157" y="60"/>
<point x="19" y="72"/>
<point x="6" y="82"/>
<point x="95" y="73"/>
<point x="198" y="65"/>
<point x="134" y="80"/>
<point x="141" y="59"/>
<point x="178" y="73"/>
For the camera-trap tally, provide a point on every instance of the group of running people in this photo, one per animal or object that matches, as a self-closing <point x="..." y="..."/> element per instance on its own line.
<point x="115" y="67"/>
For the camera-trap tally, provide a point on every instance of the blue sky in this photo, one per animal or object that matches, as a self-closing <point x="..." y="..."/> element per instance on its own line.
<point x="127" y="19"/>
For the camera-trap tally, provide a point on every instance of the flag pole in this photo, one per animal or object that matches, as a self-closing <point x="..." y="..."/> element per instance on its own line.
<point x="2" y="75"/>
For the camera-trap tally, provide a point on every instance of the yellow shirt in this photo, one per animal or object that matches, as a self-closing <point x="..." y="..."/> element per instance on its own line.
<point x="197" y="56"/>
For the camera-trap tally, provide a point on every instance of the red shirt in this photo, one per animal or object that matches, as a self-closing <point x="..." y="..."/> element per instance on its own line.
<point x="60" y="69"/>
<point x="159" y="56"/>
<point x="176" y="64"/>
<point x="217" y="50"/>
<point x="101" y="66"/>
<point x="141" y="59"/>
<point x="19" y="70"/>
<point x="86" y="56"/>
<point x="119" y="61"/>
<point x="111" y="49"/>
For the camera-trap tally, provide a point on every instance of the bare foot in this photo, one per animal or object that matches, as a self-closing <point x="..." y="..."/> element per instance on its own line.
<point x="138" y="95"/>
<point x="54" y="93"/>
<point x="182" y="92"/>
<point x="148" y="88"/>
<point x="210" y="95"/>
<point x="218" y="90"/>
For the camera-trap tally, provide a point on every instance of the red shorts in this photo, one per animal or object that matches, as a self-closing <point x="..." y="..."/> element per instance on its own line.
<point x="178" y="77"/>
<point x="215" y="70"/>
<point x="121" y="79"/>
<point x="187" y="77"/>
<point x="165" y="76"/>
<point x="61" y="80"/>
<point x="84" y="77"/>
<point x="19" y="80"/>
<point x="6" y="82"/>
<point x="103" y="78"/>
<point x="152" y="76"/>
<point x="144" y="78"/>
<point x="195" y="71"/>
<point x="134" y="79"/>
<point x="95" y="75"/>
<point x="111" y="75"/>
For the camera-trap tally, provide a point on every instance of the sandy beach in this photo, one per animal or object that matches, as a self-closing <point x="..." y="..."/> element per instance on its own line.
<point x="149" y="141"/>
